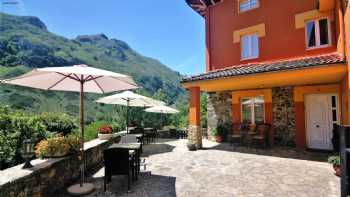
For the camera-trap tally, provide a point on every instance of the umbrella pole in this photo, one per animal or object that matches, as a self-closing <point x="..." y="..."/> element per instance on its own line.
<point x="127" y="116"/>
<point x="82" y="162"/>
<point x="82" y="188"/>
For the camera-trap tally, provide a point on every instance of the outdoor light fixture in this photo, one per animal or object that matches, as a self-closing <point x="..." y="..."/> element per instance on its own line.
<point x="28" y="152"/>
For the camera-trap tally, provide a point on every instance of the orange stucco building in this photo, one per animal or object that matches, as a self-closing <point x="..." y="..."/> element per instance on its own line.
<point x="279" y="62"/>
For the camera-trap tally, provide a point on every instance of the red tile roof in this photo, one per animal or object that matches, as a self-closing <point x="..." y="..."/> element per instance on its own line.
<point x="271" y="66"/>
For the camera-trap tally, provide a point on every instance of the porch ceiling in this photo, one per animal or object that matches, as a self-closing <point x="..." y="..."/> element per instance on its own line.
<point x="323" y="74"/>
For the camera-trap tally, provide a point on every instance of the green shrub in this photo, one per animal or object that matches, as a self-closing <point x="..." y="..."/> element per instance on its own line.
<point x="223" y="128"/>
<point x="116" y="127"/>
<point x="335" y="160"/>
<point x="91" y="130"/>
<point x="58" y="122"/>
<point x="16" y="126"/>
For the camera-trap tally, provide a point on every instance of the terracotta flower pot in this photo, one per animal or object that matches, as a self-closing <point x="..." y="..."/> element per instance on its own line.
<point x="218" y="139"/>
<point x="105" y="136"/>
<point x="191" y="147"/>
<point x="337" y="170"/>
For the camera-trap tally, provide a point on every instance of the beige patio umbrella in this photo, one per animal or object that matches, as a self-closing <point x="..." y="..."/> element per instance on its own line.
<point x="162" y="109"/>
<point x="130" y="99"/>
<point x="77" y="78"/>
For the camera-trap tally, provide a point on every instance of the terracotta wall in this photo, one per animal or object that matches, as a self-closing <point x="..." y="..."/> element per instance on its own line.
<point x="282" y="38"/>
<point x="346" y="81"/>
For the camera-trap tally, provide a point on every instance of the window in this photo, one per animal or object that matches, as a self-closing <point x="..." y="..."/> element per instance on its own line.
<point x="253" y="110"/>
<point x="318" y="33"/>
<point x="245" y="5"/>
<point x="334" y="110"/>
<point x="250" y="46"/>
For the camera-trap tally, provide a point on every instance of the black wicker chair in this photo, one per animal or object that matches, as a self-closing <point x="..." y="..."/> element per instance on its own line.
<point x="133" y="139"/>
<point x="118" y="162"/>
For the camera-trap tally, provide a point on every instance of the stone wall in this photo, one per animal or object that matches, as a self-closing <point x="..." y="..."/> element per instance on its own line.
<point x="50" y="175"/>
<point x="219" y="107"/>
<point x="283" y="115"/>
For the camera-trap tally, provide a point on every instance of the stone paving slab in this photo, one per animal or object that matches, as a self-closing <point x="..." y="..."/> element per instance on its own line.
<point x="217" y="170"/>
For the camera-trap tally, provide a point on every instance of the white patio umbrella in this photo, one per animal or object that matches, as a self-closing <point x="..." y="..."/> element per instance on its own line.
<point x="131" y="99"/>
<point x="162" y="110"/>
<point x="77" y="78"/>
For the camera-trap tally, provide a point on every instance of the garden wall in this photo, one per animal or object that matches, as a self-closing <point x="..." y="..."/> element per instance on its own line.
<point x="50" y="175"/>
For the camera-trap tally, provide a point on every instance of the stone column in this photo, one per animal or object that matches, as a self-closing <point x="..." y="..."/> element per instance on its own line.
<point x="194" y="129"/>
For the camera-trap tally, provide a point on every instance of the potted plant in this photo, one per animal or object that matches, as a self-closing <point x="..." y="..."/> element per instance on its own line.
<point x="57" y="147"/>
<point x="335" y="161"/>
<point x="217" y="136"/>
<point x="220" y="133"/>
<point x="191" y="147"/>
<point x="105" y="132"/>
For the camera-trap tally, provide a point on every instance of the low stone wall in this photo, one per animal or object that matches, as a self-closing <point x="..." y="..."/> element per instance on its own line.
<point x="50" y="175"/>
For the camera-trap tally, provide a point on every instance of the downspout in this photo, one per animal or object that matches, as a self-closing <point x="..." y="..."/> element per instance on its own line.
<point x="340" y="9"/>
<point x="208" y="40"/>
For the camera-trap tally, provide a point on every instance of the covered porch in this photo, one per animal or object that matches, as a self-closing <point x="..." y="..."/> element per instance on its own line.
<point x="282" y="87"/>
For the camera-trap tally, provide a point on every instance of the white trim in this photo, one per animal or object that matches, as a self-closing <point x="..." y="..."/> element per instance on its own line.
<point x="317" y="34"/>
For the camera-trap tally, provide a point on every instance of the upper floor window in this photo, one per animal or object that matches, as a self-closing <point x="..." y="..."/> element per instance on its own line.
<point x="245" y="5"/>
<point x="250" y="46"/>
<point x="318" y="33"/>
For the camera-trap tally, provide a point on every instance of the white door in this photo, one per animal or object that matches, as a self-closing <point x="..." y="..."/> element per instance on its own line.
<point x="321" y="113"/>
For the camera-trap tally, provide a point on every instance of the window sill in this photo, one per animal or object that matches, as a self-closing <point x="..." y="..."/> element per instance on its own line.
<point x="244" y="11"/>
<point x="249" y="58"/>
<point x="318" y="47"/>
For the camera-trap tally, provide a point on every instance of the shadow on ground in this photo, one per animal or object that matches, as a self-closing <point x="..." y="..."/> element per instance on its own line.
<point x="153" y="149"/>
<point x="147" y="184"/>
<point x="275" y="151"/>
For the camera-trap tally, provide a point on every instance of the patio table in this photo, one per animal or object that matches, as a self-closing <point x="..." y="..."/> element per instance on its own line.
<point x="139" y="137"/>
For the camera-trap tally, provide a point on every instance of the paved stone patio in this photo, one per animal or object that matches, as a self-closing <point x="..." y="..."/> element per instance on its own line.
<point x="218" y="170"/>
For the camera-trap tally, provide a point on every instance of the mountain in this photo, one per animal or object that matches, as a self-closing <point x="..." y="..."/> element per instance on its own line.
<point x="26" y="43"/>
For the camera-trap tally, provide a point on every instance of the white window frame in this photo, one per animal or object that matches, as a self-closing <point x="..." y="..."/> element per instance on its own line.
<point x="250" y="7"/>
<point x="250" y="45"/>
<point x="252" y="109"/>
<point x="317" y="34"/>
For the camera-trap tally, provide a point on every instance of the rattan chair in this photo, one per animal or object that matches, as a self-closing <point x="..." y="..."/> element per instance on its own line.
<point x="262" y="136"/>
<point x="118" y="162"/>
<point x="236" y="135"/>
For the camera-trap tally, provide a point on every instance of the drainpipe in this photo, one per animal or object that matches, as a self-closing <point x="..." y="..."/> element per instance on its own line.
<point x="208" y="40"/>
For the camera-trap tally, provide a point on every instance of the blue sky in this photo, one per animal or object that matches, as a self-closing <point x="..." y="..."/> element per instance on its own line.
<point x="167" y="30"/>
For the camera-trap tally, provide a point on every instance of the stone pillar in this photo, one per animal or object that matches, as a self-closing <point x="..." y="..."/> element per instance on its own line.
<point x="284" y="115"/>
<point x="194" y="129"/>
<point x="219" y="107"/>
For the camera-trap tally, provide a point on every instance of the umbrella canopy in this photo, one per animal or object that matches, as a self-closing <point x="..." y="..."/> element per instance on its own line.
<point x="162" y="109"/>
<point x="70" y="78"/>
<point x="77" y="78"/>
<point x="129" y="98"/>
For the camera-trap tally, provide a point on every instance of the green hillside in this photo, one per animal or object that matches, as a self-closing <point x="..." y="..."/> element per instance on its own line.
<point x="26" y="43"/>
